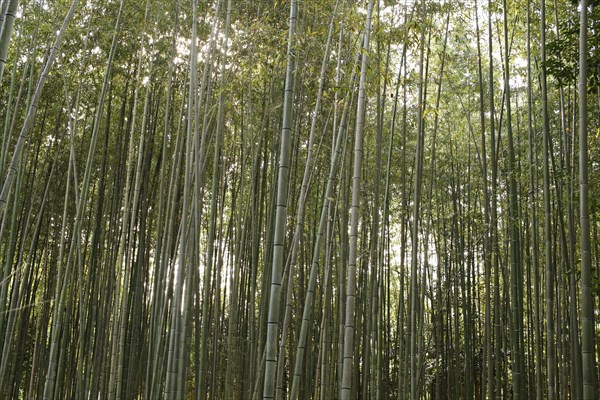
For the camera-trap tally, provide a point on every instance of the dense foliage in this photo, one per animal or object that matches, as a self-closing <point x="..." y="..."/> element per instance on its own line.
<point x="299" y="199"/>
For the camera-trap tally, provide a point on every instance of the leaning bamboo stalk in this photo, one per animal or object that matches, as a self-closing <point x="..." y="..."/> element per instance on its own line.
<point x="6" y="31"/>
<point x="302" y="201"/>
<point x="176" y="306"/>
<point x="130" y="209"/>
<point x="587" y="309"/>
<point x="316" y="254"/>
<point x="60" y="293"/>
<point x="349" y="331"/>
<point x="164" y="208"/>
<point x="280" y="214"/>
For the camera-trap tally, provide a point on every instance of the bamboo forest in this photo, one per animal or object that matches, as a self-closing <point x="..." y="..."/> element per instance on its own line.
<point x="299" y="199"/>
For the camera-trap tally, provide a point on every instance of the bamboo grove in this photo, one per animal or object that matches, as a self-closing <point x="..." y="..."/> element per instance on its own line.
<point x="303" y="199"/>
